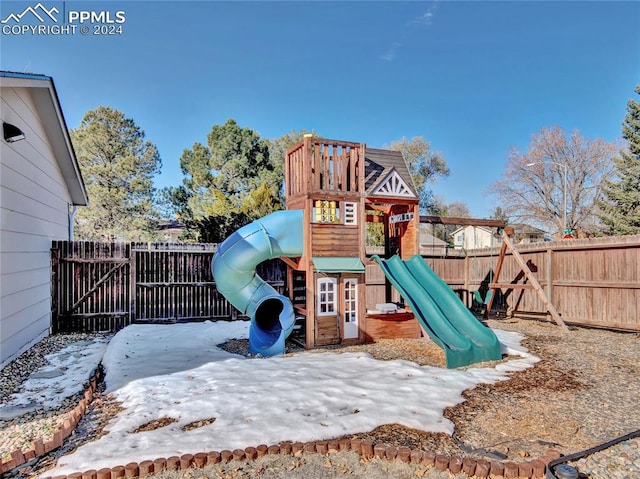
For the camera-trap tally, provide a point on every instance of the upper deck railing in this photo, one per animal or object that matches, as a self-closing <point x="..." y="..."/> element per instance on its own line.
<point x="321" y="165"/>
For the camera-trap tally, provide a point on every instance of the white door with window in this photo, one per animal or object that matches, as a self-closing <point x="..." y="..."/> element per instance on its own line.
<point x="350" y="309"/>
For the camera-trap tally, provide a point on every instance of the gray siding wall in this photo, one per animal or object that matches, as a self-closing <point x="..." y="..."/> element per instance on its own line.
<point x="33" y="211"/>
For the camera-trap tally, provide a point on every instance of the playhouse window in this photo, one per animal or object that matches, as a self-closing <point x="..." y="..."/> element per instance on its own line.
<point x="350" y="213"/>
<point x="327" y="296"/>
<point x="326" y="211"/>
<point x="351" y="300"/>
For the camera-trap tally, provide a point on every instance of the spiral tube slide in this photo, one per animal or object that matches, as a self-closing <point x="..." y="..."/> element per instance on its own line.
<point x="234" y="272"/>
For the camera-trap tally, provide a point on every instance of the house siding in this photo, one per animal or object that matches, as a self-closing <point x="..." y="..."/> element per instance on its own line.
<point x="474" y="238"/>
<point x="34" y="203"/>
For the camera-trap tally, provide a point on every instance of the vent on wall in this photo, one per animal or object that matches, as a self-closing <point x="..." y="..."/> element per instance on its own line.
<point x="12" y="133"/>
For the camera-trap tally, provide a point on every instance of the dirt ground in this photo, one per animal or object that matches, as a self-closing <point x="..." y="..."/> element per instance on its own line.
<point x="582" y="393"/>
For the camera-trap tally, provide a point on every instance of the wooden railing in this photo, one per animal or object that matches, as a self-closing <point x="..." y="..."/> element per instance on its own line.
<point x="319" y="165"/>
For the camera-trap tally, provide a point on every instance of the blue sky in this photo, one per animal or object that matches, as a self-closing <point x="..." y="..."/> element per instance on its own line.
<point x="473" y="78"/>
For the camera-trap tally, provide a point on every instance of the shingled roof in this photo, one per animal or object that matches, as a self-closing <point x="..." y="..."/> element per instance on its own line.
<point x="387" y="174"/>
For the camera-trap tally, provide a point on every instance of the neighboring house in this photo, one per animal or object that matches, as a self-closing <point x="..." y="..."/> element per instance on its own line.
<point x="429" y="244"/>
<point x="40" y="186"/>
<point x="474" y="237"/>
<point x="169" y="231"/>
<point x="525" y="234"/>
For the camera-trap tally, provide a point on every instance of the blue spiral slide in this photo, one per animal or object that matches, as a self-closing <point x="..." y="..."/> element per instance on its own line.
<point x="234" y="272"/>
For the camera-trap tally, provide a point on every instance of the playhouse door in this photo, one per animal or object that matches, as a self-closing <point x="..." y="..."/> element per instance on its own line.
<point x="350" y="308"/>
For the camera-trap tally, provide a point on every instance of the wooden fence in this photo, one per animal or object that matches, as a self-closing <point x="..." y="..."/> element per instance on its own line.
<point x="106" y="286"/>
<point x="594" y="282"/>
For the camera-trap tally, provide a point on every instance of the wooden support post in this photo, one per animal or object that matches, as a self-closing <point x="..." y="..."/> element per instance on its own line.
<point x="387" y="254"/>
<point x="55" y="266"/>
<point x="133" y="288"/>
<point x="549" y="276"/>
<point x="467" y="286"/>
<point x="506" y="243"/>
<point x="496" y="276"/>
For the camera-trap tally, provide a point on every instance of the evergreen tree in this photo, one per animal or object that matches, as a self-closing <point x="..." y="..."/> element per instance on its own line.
<point x="220" y="175"/>
<point x="118" y="166"/>
<point x="236" y="178"/>
<point x="620" y="208"/>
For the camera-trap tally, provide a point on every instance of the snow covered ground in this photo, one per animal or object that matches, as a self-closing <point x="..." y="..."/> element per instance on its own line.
<point x="177" y="372"/>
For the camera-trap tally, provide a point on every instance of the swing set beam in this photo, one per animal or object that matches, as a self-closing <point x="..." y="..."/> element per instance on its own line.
<point x="450" y="220"/>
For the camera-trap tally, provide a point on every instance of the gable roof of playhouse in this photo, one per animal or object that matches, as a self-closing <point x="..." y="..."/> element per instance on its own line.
<point x="387" y="174"/>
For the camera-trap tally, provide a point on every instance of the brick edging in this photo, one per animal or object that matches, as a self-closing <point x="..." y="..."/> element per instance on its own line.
<point x="39" y="447"/>
<point x="480" y="468"/>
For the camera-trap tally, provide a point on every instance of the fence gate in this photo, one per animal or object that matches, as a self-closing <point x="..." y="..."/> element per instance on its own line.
<point x="173" y="282"/>
<point x="106" y="286"/>
<point x="90" y="286"/>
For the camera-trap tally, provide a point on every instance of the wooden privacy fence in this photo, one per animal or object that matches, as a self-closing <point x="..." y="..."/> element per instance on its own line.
<point x="594" y="282"/>
<point x="106" y="286"/>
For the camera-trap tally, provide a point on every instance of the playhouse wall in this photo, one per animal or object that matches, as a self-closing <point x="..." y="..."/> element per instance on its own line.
<point x="411" y="237"/>
<point x="296" y="202"/>
<point x="330" y="329"/>
<point x="327" y="330"/>
<point x="335" y="240"/>
<point x="376" y="286"/>
<point x="377" y="329"/>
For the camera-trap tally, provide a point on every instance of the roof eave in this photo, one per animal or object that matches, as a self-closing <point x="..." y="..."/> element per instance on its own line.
<point x="47" y="102"/>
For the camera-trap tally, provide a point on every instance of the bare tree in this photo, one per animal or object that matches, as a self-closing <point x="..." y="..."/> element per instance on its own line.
<point x="555" y="184"/>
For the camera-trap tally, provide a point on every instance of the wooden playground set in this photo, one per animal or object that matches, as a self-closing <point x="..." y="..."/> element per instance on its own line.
<point x="341" y="186"/>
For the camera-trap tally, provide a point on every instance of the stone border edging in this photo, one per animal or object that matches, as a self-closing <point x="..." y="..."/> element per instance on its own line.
<point x="480" y="468"/>
<point x="39" y="447"/>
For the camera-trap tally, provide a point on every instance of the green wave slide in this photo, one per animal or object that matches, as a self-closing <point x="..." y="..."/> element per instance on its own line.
<point x="446" y="320"/>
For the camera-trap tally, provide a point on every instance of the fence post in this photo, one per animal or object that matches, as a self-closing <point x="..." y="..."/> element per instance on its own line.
<point x="549" y="276"/>
<point x="133" y="290"/>
<point x="55" y="262"/>
<point x="466" y="281"/>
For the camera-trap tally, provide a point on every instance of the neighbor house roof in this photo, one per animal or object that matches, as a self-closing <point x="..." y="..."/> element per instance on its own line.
<point x="387" y="168"/>
<point x="45" y="98"/>
<point x="523" y="228"/>
<point x="428" y="239"/>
